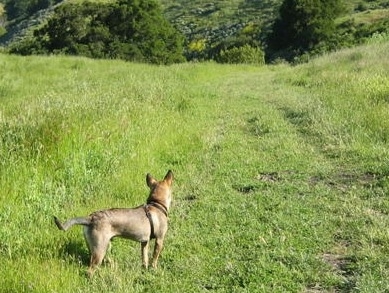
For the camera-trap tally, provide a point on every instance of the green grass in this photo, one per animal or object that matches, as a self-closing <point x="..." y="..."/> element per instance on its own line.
<point x="281" y="172"/>
<point x="371" y="16"/>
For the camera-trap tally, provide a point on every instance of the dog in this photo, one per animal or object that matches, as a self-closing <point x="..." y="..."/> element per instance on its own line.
<point x="141" y="224"/>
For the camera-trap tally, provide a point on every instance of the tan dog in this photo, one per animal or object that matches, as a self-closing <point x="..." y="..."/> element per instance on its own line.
<point x="140" y="224"/>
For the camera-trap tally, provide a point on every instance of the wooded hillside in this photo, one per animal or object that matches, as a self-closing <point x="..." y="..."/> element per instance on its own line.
<point x="212" y="26"/>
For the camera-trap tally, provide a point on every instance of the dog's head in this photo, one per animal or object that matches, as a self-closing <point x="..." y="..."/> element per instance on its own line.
<point x="160" y="191"/>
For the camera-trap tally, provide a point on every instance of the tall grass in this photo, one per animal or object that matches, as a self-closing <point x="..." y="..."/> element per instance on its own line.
<point x="281" y="174"/>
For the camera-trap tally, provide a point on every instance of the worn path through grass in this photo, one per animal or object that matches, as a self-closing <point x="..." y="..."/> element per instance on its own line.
<point x="281" y="172"/>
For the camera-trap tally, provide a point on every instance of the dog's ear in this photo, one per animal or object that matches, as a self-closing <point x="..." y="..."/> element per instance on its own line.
<point x="169" y="177"/>
<point x="151" y="182"/>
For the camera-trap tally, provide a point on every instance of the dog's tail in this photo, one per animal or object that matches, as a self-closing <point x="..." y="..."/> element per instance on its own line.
<point x="75" y="221"/>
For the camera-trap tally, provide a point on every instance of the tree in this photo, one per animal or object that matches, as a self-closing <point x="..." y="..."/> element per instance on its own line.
<point x="303" y="25"/>
<point x="142" y="23"/>
<point x="128" y="29"/>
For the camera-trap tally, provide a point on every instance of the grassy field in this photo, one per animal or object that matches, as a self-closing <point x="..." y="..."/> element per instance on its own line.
<point x="281" y="172"/>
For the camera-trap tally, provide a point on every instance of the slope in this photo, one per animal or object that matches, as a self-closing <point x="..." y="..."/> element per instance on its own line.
<point x="281" y="172"/>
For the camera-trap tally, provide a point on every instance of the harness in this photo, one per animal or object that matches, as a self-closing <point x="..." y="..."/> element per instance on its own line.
<point x="160" y="207"/>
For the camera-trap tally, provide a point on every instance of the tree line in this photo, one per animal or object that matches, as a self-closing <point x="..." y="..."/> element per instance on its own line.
<point x="132" y="30"/>
<point x="137" y="30"/>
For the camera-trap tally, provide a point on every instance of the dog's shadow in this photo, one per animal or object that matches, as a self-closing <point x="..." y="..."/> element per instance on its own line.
<point x="76" y="251"/>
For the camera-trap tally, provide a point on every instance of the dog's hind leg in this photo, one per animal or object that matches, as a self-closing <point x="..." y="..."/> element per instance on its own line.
<point x="145" y="253"/>
<point x="108" y="258"/>
<point x="157" y="250"/>
<point x="98" y="245"/>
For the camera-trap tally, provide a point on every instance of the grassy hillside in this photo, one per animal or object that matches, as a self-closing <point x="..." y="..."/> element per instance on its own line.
<point x="281" y="172"/>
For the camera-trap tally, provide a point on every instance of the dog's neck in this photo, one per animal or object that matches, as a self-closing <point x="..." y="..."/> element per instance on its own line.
<point x="162" y="201"/>
<point x="158" y="205"/>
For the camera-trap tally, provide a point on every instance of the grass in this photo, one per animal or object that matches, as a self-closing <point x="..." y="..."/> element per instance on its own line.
<point x="371" y="16"/>
<point x="281" y="173"/>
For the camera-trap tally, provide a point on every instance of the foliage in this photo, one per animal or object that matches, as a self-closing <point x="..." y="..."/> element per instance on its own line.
<point x="245" y="55"/>
<point x="366" y="31"/>
<point x="197" y="48"/>
<point x="220" y="25"/>
<point x="129" y="29"/>
<point x="304" y="24"/>
<point x="210" y="49"/>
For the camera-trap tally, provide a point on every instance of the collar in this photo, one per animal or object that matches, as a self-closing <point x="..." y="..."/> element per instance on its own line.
<point x="158" y="205"/>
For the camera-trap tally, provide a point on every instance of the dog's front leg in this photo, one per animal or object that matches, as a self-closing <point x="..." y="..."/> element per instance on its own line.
<point x="157" y="250"/>
<point x="145" y="253"/>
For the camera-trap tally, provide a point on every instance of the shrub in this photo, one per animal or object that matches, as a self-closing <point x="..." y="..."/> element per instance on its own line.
<point x="245" y="54"/>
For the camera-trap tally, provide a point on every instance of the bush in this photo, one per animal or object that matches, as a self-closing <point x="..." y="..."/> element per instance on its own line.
<point x="245" y="54"/>
<point x="128" y="29"/>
